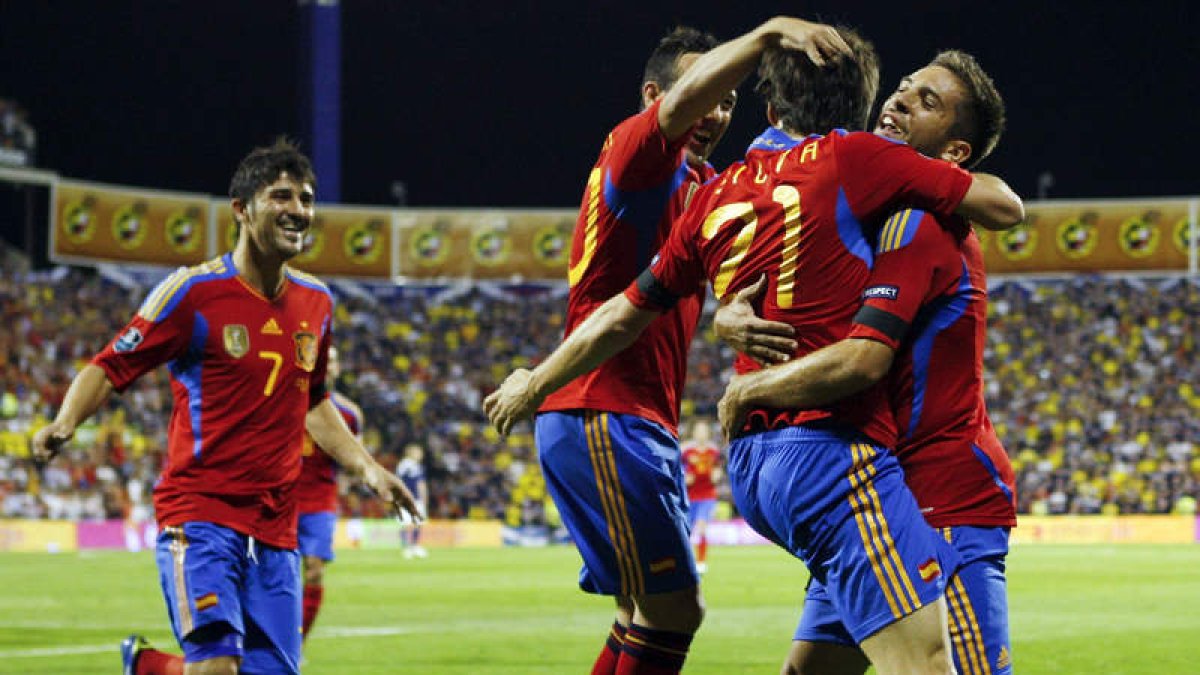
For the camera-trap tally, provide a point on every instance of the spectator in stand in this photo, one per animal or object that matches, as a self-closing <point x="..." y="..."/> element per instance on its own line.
<point x="18" y="140"/>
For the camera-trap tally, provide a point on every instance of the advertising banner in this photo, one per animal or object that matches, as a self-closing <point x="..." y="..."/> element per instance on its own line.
<point x="101" y="223"/>
<point x="1165" y="529"/>
<point x="37" y="536"/>
<point x="1096" y="236"/>
<point x="385" y="533"/>
<point x="500" y="245"/>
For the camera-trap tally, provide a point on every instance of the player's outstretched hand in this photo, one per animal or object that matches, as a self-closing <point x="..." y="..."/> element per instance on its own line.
<point x="738" y="326"/>
<point x="731" y="410"/>
<point x="822" y="43"/>
<point x="49" y="440"/>
<point x="388" y="486"/>
<point x="512" y="402"/>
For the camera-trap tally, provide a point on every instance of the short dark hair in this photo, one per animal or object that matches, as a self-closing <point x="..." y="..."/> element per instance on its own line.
<point x="263" y="166"/>
<point x="980" y="118"/>
<point x="811" y="99"/>
<point x="663" y="65"/>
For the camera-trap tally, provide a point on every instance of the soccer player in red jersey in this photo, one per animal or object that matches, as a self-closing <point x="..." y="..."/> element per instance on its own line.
<point x="317" y="498"/>
<point x="924" y="315"/>
<point x="818" y="481"/>
<point x="245" y="339"/>
<point x="702" y="470"/>
<point x="608" y="443"/>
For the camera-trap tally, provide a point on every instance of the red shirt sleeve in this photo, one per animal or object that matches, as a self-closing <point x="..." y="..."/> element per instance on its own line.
<point x="317" y="390"/>
<point x="677" y="271"/>
<point x="161" y="331"/>
<point x="637" y="155"/>
<point x="879" y="175"/>
<point x="916" y="261"/>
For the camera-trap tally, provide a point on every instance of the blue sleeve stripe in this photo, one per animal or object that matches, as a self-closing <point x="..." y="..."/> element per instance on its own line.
<point x="899" y="230"/>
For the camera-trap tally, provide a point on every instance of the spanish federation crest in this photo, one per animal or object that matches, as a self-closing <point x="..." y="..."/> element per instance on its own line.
<point x="306" y="351"/>
<point x="237" y="340"/>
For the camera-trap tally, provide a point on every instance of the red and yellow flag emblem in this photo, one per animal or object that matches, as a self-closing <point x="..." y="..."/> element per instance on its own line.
<point x="930" y="570"/>
<point x="207" y="600"/>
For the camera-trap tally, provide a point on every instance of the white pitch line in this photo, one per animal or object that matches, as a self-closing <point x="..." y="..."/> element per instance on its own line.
<point x="331" y="632"/>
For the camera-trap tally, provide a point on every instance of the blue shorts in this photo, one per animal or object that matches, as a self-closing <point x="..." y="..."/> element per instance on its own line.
<point x="315" y="532"/>
<point x="840" y="504"/>
<point x="228" y="595"/>
<point x="701" y="509"/>
<point x="976" y="597"/>
<point x="618" y="483"/>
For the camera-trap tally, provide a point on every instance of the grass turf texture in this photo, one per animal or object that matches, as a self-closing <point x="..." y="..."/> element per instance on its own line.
<point x="1117" y="610"/>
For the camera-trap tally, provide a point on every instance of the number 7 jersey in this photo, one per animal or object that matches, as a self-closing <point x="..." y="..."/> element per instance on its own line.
<point x="244" y="371"/>
<point x="795" y="211"/>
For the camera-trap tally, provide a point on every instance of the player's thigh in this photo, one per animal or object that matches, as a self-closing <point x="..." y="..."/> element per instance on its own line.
<point x="314" y="534"/>
<point x="200" y="571"/>
<point x="618" y="484"/>
<point x="914" y="645"/>
<point x="272" y="599"/>
<point x="221" y="665"/>
<point x="977" y="603"/>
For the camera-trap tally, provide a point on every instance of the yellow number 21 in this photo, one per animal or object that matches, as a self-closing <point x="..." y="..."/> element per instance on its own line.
<point x="786" y="196"/>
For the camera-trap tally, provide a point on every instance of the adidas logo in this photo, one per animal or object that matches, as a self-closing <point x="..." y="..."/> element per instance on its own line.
<point x="271" y="328"/>
<point x="1003" y="660"/>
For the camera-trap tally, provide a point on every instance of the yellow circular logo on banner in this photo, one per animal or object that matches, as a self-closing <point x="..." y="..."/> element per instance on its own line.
<point x="430" y="245"/>
<point x="1181" y="234"/>
<point x="79" y="221"/>
<point x="1018" y="243"/>
<point x="231" y="231"/>
<point x="314" y="242"/>
<point x="129" y="225"/>
<point x="491" y="244"/>
<point x="1077" y="236"/>
<point x="984" y="238"/>
<point x="183" y="230"/>
<point x="1139" y="236"/>
<point x="550" y="246"/>
<point x="364" y="241"/>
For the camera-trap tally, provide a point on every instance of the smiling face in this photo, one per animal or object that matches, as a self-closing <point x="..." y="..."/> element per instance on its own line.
<point x="277" y="218"/>
<point x="709" y="130"/>
<point x="922" y="112"/>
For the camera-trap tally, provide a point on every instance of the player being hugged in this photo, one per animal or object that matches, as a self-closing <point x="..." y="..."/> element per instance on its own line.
<point x="245" y="339"/>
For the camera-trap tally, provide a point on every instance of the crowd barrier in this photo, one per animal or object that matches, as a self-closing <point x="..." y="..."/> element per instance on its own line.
<point x="62" y="536"/>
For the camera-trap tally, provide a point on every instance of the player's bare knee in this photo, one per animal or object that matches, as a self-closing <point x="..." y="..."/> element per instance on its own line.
<point x="220" y="665"/>
<point x="314" y="571"/>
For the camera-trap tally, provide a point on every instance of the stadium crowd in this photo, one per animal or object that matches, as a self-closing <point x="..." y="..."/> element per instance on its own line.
<point x="18" y="140"/>
<point x="1091" y="385"/>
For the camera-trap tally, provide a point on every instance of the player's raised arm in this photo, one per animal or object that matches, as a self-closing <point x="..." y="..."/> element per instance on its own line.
<point x="718" y="72"/>
<point x="89" y="390"/>
<point x="329" y="431"/>
<point x="991" y="203"/>
<point x="611" y="328"/>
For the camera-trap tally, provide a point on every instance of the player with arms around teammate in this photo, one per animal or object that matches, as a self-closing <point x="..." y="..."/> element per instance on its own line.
<point x="608" y="443"/>
<point x="702" y="472"/>
<point x="924" y="315"/>
<point x="817" y="481"/>
<point x="245" y="340"/>
<point x="317" y="495"/>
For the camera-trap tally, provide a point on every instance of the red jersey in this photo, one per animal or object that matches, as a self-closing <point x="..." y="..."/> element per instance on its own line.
<point x="638" y="187"/>
<point x="245" y="370"/>
<point x="794" y="211"/>
<point x="927" y="298"/>
<point x="316" y="489"/>
<point x="699" y="464"/>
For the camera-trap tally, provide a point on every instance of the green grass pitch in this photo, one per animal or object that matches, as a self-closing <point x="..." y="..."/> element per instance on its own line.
<point x="1115" y="610"/>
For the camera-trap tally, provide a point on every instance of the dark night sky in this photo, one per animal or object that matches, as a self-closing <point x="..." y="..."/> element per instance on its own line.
<point x="506" y="103"/>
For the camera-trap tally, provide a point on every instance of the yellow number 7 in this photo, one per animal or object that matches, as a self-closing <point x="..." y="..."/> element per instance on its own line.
<point x="276" y="360"/>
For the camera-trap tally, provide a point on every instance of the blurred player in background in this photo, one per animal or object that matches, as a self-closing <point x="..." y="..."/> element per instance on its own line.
<point x="608" y="442"/>
<point x="924" y="314"/>
<point x="702" y="472"/>
<point x="245" y="339"/>
<point x="317" y="495"/>
<point x="817" y="481"/>
<point x="411" y="471"/>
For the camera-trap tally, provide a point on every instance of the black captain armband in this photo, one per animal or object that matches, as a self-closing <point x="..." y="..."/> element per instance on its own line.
<point x="885" y="322"/>
<point x="657" y="293"/>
